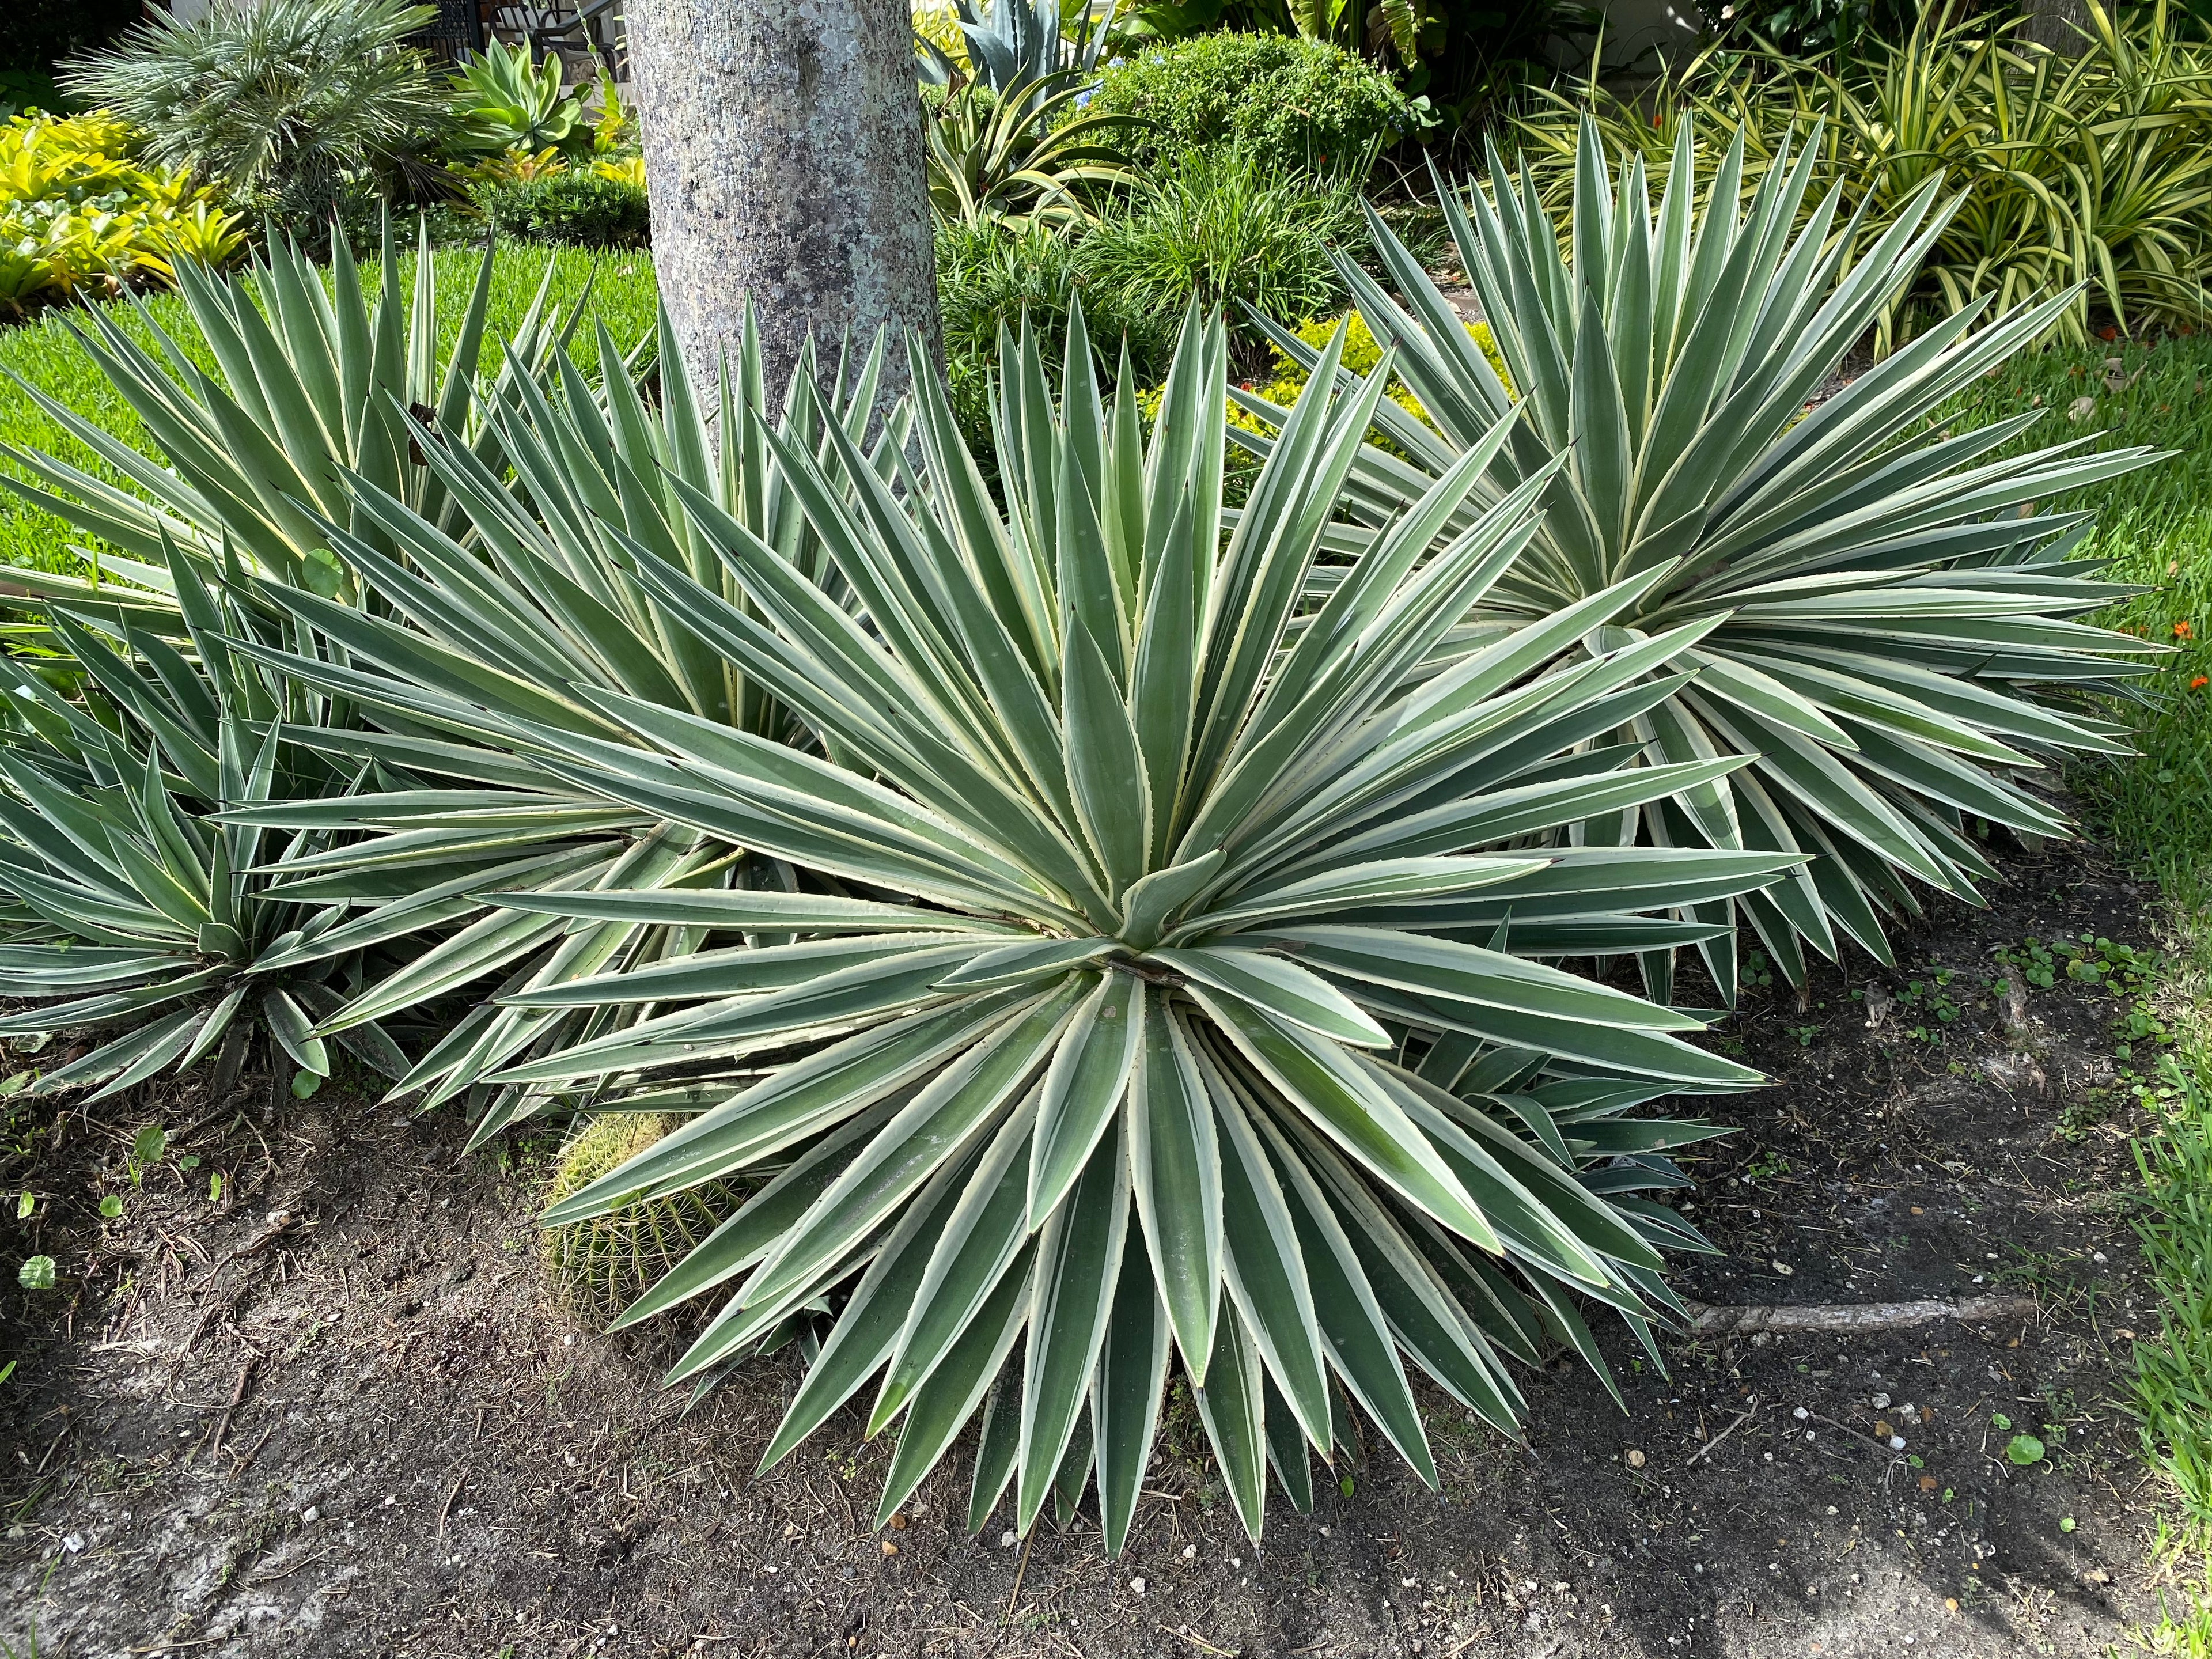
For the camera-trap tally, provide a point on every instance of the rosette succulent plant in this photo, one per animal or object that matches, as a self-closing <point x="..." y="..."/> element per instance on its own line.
<point x="522" y="590"/>
<point x="127" y="913"/>
<point x="1893" y="641"/>
<point x="312" y="391"/>
<point x="1154" y="964"/>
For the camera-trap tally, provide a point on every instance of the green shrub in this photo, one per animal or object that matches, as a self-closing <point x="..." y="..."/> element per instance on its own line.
<point x="1232" y="229"/>
<point x="989" y="277"/>
<point x="588" y="208"/>
<point x="1220" y="226"/>
<point x="1292" y="103"/>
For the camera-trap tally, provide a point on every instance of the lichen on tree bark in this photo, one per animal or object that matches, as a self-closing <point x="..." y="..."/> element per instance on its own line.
<point x="783" y="155"/>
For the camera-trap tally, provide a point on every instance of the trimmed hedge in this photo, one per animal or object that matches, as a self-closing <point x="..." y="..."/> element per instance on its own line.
<point x="1290" y="103"/>
<point x="586" y="209"/>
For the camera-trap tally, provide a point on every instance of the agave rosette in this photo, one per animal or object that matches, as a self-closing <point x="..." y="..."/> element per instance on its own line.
<point x="312" y="391"/>
<point x="1894" y="641"/>
<point x="1137" y="988"/>
<point x="527" y="592"/>
<point x="127" y="914"/>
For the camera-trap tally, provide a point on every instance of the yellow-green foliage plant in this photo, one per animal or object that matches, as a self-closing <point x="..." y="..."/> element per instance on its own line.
<point x="78" y="215"/>
<point x="1362" y="352"/>
<point x="2092" y="174"/>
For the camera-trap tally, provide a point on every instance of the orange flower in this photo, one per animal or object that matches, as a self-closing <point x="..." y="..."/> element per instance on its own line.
<point x="2199" y="683"/>
<point x="2181" y="631"/>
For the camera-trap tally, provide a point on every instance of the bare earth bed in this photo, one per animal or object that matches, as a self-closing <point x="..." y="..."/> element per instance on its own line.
<point x="333" y="1413"/>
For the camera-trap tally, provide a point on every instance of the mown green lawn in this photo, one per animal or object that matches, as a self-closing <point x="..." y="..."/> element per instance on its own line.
<point x="2154" y="807"/>
<point x="2155" y="528"/>
<point x="47" y="355"/>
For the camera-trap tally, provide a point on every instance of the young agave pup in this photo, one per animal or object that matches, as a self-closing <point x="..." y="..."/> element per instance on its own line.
<point x="1892" y="641"/>
<point x="1140" y="991"/>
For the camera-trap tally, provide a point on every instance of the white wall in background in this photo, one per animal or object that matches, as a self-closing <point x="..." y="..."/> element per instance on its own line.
<point x="1639" y="31"/>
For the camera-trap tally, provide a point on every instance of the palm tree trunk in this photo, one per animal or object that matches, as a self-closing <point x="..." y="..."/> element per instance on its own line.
<point x="783" y="153"/>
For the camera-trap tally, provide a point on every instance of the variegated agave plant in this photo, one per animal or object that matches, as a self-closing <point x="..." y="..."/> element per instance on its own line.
<point x="126" y="915"/>
<point x="523" y="594"/>
<point x="1894" y="638"/>
<point x="1139" y="987"/>
<point x="312" y="390"/>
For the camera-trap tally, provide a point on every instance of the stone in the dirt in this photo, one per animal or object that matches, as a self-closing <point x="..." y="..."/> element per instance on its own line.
<point x="1635" y="1460"/>
<point x="1138" y="1585"/>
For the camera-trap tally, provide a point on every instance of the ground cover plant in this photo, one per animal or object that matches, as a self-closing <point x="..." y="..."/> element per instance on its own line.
<point x="1892" y="640"/>
<point x="585" y="208"/>
<point x="2155" y="804"/>
<point x="79" y="215"/>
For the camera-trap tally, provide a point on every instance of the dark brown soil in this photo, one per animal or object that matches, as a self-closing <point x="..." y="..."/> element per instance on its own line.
<point x="359" y="1430"/>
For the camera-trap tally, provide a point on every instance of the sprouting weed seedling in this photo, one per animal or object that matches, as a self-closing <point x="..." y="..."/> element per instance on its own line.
<point x="2091" y="959"/>
<point x="146" y="1150"/>
<point x="1930" y="999"/>
<point x="1768" y="1165"/>
<point x="1804" y="1034"/>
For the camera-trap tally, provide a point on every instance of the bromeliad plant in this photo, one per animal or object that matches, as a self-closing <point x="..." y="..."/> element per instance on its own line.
<point x="1020" y="162"/>
<point x="1889" y="634"/>
<point x="1135" y="985"/>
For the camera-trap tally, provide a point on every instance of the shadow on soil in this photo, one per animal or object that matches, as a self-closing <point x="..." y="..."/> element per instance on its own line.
<point x="330" y="1413"/>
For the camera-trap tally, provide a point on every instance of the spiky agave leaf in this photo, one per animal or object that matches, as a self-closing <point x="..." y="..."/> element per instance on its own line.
<point x="1140" y="990"/>
<point x="528" y="595"/>
<point x="126" y="911"/>
<point x="1894" y="641"/>
<point x="312" y="388"/>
